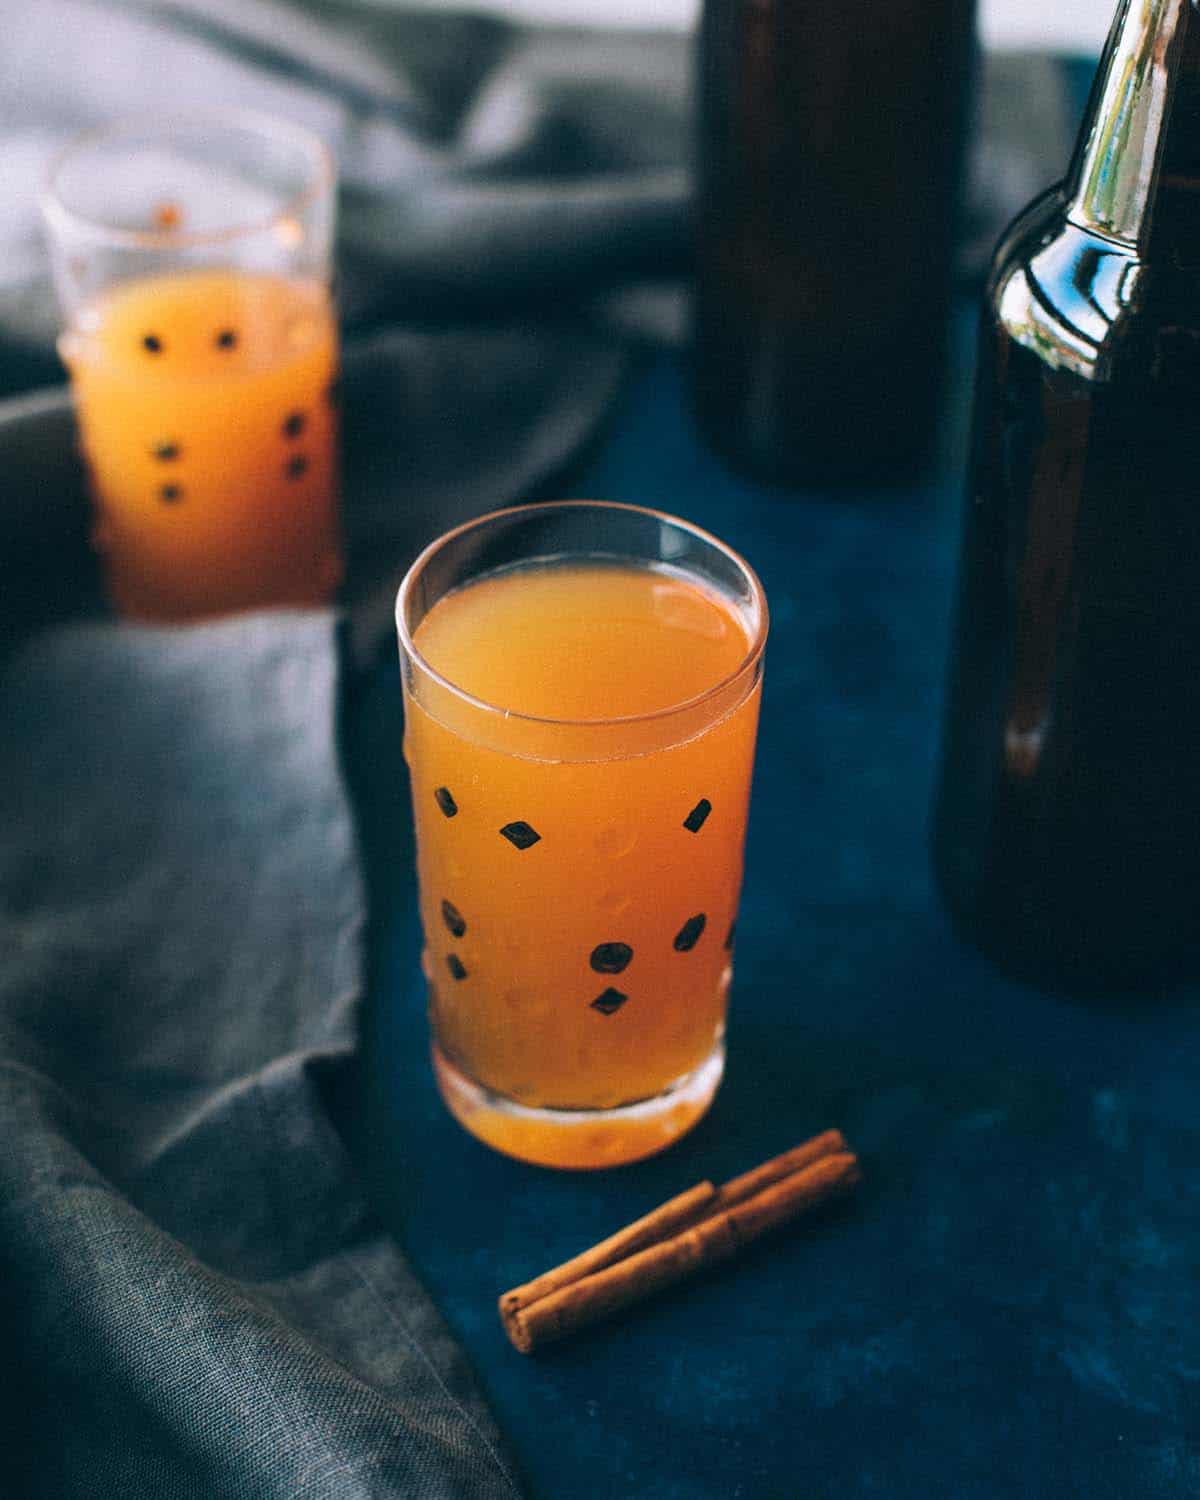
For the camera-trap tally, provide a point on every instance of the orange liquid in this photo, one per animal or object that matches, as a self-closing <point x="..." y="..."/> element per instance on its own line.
<point x="204" y="404"/>
<point x="588" y="970"/>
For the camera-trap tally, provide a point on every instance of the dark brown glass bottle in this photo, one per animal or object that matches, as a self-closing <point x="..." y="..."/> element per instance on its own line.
<point x="1067" y="820"/>
<point x="829" y="159"/>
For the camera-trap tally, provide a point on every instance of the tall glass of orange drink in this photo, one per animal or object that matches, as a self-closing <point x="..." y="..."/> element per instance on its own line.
<point x="192" y="262"/>
<point x="581" y="698"/>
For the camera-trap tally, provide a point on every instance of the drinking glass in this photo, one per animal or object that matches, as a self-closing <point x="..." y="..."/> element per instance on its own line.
<point x="191" y="257"/>
<point x="582" y="685"/>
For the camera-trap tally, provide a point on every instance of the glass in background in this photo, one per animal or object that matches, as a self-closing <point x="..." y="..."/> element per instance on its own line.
<point x="192" y="261"/>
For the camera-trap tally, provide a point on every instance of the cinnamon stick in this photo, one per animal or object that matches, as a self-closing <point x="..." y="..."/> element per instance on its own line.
<point x="698" y="1202"/>
<point x="660" y="1224"/>
<point x="828" y="1143"/>
<point x="664" y="1247"/>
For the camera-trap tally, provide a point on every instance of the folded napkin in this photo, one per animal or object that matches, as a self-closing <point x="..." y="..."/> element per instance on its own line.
<point x="196" y="1299"/>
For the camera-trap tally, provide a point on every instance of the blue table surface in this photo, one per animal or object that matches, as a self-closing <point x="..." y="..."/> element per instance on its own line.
<point x="1010" y="1306"/>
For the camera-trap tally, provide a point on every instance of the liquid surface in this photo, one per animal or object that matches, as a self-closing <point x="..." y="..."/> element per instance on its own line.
<point x="578" y="914"/>
<point x="205" y="408"/>
<point x="583" y="642"/>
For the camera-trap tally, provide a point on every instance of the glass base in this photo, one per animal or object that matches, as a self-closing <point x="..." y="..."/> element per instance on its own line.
<point x="579" y="1138"/>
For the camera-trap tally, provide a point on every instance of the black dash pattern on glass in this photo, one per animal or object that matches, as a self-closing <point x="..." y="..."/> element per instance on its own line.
<point x="445" y="801"/>
<point x="170" y="493"/>
<point x="689" y="934"/>
<point x="453" y="918"/>
<point x="608" y="1001"/>
<point x="165" y="453"/>
<point x="293" y="424"/>
<point x="694" y="821"/>
<point x="296" y="466"/>
<point x="226" y="339"/>
<point x="151" y="343"/>
<point x="610" y="958"/>
<point x="456" y="966"/>
<point x="730" y="935"/>
<point x="521" y="835"/>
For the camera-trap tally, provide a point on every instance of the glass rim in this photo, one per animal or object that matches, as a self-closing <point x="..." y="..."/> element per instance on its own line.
<point x="321" y="178"/>
<point x="754" y="649"/>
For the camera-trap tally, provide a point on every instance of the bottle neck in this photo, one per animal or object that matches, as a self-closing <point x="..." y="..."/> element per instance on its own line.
<point x="1137" y="165"/>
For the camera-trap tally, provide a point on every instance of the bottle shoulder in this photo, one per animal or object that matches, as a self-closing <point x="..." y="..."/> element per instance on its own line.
<point x="1063" y="291"/>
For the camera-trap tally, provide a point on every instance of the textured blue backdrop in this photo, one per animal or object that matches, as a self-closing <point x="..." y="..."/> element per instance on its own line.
<point x="1010" y="1307"/>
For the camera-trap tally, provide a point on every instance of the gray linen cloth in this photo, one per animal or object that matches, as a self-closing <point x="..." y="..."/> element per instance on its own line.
<point x="196" y="1300"/>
